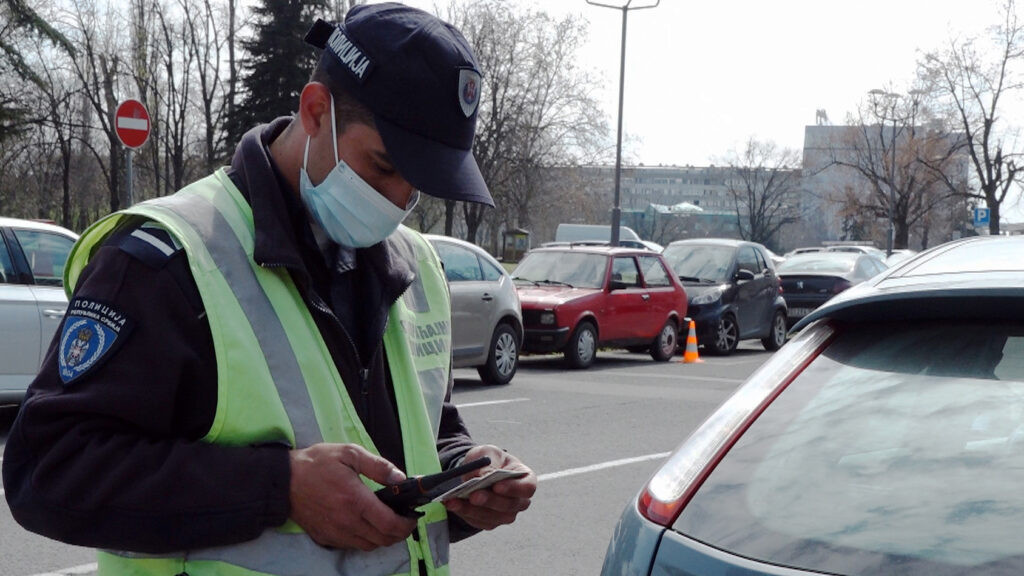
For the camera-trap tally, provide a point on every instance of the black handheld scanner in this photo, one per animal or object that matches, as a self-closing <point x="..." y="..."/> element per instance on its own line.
<point x="410" y="493"/>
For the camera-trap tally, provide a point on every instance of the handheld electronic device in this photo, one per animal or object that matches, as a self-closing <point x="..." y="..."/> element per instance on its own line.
<point x="405" y="496"/>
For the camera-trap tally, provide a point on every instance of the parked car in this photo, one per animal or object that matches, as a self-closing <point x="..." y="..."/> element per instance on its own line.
<point x="885" y="438"/>
<point x="804" y="250"/>
<point x="32" y="299"/>
<point x="733" y="290"/>
<point x="626" y="243"/>
<point x="487" y="323"/>
<point x="899" y="255"/>
<point x="578" y="298"/>
<point x="858" y="248"/>
<point x="809" y="280"/>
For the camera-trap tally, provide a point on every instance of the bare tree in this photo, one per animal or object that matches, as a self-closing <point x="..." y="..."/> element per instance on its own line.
<point x="975" y="76"/>
<point x="98" y="66"/>
<point x="538" y="110"/>
<point x="763" y="185"/>
<point x="901" y="158"/>
<point x="204" y="38"/>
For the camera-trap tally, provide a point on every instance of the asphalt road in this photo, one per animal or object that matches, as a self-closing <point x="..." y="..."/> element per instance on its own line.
<point x="592" y="436"/>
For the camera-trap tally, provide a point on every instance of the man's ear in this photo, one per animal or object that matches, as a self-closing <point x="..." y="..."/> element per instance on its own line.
<point x="315" y="108"/>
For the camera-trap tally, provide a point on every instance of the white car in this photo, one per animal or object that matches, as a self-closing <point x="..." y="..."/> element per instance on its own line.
<point x="487" y="320"/>
<point x="32" y="299"/>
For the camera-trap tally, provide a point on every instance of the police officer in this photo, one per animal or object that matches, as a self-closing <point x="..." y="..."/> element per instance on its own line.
<point x="244" y="362"/>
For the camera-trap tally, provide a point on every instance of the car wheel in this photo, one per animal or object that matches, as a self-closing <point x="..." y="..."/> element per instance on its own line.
<point x="727" y="336"/>
<point x="503" y="357"/>
<point x="777" y="337"/>
<point x="581" y="350"/>
<point x="664" y="346"/>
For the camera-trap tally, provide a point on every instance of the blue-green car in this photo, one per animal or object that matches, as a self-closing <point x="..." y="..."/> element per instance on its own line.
<point x="886" y="437"/>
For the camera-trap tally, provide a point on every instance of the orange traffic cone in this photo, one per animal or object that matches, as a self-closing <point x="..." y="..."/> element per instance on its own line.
<point x="690" y="355"/>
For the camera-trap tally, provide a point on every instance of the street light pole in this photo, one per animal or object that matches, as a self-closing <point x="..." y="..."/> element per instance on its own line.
<point x="616" y="211"/>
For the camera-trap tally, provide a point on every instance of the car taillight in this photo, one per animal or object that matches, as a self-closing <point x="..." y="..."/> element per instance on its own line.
<point x="672" y="486"/>
<point x="840" y="285"/>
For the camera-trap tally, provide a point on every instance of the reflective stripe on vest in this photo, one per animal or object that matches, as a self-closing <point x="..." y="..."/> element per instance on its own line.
<point x="276" y="381"/>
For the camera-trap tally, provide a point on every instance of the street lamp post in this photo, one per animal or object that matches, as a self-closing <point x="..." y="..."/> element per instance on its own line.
<point x="616" y="211"/>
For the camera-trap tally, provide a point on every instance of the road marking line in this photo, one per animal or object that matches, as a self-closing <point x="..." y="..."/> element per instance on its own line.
<point x="676" y="377"/>
<point x="490" y="402"/>
<point x="74" y="570"/>
<point x="601" y="466"/>
<point x="89" y="568"/>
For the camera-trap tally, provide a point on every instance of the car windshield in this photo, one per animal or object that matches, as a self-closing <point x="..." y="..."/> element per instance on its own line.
<point x="900" y="450"/>
<point x="832" y="263"/>
<point x="577" y="269"/>
<point x="700" y="263"/>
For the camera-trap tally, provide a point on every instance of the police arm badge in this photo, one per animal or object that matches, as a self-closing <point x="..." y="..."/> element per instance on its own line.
<point x="92" y="332"/>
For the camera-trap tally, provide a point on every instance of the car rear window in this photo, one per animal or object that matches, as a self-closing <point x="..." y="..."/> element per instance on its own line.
<point x="825" y="263"/>
<point x="899" y="450"/>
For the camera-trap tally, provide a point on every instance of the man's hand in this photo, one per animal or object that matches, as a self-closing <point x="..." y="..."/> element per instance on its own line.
<point x="333" y="506"/>
<point x="499" y="504"/>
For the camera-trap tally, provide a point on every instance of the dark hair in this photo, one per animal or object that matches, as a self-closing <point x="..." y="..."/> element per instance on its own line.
<point x="346" y="108"/>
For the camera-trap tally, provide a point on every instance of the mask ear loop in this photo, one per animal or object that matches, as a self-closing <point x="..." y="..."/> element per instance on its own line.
<point x="334" y="139"/>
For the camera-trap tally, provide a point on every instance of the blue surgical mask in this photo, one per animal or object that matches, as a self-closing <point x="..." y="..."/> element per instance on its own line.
<point x="350" y="211"/>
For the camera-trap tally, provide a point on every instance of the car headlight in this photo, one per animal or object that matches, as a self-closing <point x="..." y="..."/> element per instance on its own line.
<point x="547" y="318"/>
<point x="708" y="297"/>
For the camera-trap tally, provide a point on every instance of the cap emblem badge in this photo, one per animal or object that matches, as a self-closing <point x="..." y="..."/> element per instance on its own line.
<point x="469" y="91"/>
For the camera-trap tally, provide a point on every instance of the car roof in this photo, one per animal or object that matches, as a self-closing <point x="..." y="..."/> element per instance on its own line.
<point x="458" y="241"/>
<point x="976" y="277"/>
<point x="594" y="248"/>
<point x="713" y="242"/>
<point x="34" y="225"/>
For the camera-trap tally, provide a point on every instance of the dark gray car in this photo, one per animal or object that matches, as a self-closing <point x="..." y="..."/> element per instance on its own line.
<point x="733" y="290"/>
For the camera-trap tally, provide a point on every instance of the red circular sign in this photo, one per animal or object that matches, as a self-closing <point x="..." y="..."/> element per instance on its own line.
<point x="131" y="123"/>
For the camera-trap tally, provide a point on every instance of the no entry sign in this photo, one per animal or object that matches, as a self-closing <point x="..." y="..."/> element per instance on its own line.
<point x="131" y="123"/>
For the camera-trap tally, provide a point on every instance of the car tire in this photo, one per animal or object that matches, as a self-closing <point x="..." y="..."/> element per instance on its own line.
<point x="665" y="344"/>
<point x="581" y="350"/>
<point x="777" y="336"/>
<point x="725" y="337"/>
<point x="502" y="358"/>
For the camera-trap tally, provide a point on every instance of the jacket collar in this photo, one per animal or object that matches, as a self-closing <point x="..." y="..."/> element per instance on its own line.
<point x="282" y="228"/>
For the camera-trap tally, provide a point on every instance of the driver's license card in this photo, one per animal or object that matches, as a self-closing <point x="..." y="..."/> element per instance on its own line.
<point x="478" y="483"/>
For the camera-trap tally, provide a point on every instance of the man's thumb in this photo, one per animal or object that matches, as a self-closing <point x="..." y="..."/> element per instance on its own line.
<point x="375" y="468"/>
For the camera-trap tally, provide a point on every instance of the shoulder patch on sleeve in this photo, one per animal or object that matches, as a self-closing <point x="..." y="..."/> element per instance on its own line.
<point x="151" y="244"/>
<point x="92" y="332"/>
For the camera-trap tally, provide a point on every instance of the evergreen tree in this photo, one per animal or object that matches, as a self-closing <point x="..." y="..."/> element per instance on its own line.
<point x="18" y="18"/>
<point x="277" y="63"/>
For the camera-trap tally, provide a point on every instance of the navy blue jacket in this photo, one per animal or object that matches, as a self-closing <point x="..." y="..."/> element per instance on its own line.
<point x="112" y="459"/>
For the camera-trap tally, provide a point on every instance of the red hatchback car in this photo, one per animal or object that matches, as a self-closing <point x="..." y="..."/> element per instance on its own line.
<point x="577" y="298"/>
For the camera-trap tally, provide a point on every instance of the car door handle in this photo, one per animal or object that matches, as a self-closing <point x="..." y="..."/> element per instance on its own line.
<point x="53" y="313"/>
<point x="646" y="296"/>
<point x="487" y="297"/>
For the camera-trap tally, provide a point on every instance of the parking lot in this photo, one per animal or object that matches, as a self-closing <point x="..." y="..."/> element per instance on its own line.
<point x="593" y="437"/>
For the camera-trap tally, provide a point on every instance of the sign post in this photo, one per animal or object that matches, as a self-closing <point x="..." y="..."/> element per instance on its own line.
<point x="131" y="124"/>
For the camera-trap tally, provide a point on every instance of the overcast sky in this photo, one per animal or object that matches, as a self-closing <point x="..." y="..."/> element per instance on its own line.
<point x="702" y="76"/>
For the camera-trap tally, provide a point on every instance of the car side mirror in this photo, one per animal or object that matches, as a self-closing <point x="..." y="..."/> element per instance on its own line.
<point x="744" y="275"/>
<point x="617" y="285"/>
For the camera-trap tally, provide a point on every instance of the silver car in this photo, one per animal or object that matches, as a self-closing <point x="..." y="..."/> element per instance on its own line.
<point x="487" y="322"/>
<point x="32" y="300"/>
